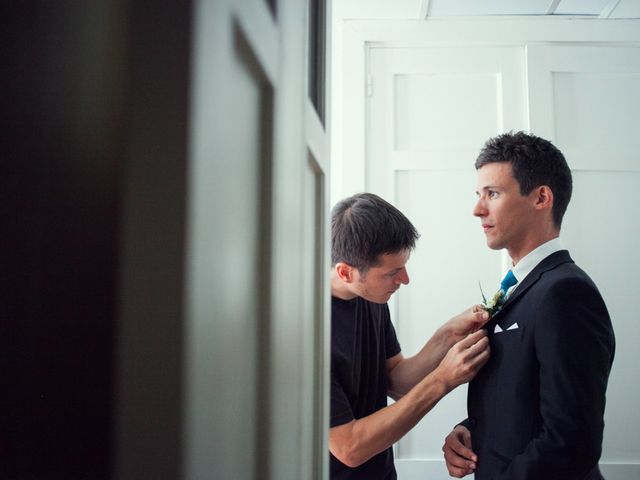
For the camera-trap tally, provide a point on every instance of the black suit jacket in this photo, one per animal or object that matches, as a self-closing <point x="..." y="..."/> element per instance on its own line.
<point x="536" y="408"/>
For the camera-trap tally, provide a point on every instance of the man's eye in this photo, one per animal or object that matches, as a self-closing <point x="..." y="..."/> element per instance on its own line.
<point x="493" y="194"/>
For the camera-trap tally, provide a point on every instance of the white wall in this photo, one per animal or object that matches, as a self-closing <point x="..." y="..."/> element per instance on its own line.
<point x="367" y="55"/>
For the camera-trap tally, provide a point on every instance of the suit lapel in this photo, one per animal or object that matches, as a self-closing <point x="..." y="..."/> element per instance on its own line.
<point x="549" y="263"/>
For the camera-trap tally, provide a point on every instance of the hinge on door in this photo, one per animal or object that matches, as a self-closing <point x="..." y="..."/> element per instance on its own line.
<point x="369" y="85"/>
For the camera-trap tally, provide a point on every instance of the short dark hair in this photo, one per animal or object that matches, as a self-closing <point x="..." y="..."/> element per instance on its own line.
<point x="535" y="162"/>
<point x="365" y="226"/>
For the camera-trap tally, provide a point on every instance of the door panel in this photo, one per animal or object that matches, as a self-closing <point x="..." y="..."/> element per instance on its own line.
<point x="602" y="243"/>
<point x="434" y="107"/>
<point x="585" y="99"/>
<point x="449" y="263"/>
<point x="256" y="264"/>
<point x="429" y="113"/>
<point x="232" y="256"/>
<point x="313" y="339"/>
<point x="420" y="100"/>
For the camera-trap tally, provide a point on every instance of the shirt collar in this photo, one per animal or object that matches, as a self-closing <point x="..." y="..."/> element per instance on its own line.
<point x="533" y="258"/>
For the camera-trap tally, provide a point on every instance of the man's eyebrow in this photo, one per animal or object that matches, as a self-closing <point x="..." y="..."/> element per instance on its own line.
<point x="489" y="187"/>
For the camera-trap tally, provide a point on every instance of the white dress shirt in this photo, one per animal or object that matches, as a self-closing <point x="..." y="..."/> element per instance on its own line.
<point x="533" y="258"/>
<point x="526" y="265"/>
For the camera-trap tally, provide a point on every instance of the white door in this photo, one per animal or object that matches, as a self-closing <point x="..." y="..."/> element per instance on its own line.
<point x="255" y="398"/>
<point x="586" y="100"/>
<point x="250" y="342"/>
<point x="429" y="112"/>
<point x="228" y="291"/>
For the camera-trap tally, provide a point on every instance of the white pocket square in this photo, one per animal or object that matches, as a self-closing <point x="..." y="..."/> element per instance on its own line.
<point x="499" y="329"/>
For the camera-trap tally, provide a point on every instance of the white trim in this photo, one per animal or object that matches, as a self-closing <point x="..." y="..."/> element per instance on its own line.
<point x="316" y="137"/>
<point x="260" y="30"/>
<point x="359" y="37"/>
<point x="423" y="12"/>
<point x="609" y="8"/>
<point x="553" y="6"/>
<point x="436" y="469"/>
<point x="501" y="30"/>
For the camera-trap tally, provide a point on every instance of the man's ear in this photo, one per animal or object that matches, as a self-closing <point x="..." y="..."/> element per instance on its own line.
<point x="544" y="197"/>
<point x="344" y="271"/>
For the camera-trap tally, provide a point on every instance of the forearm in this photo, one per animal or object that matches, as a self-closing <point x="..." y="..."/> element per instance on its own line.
<point x="358" y="441"/>
<point x="411" y="371"/>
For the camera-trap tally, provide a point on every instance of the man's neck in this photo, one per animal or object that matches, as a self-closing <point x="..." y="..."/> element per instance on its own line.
<point x="519" y="259"/>
<point x="518" y="253"/>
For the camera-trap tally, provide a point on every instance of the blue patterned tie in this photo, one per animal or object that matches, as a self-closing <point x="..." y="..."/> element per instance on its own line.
<point x="508" y="281"/>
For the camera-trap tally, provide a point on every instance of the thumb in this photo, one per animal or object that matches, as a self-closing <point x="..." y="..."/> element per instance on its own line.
<point x="482" y="317"/>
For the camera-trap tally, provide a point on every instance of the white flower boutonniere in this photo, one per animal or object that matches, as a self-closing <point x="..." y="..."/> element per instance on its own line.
<point x="494" y="304"/>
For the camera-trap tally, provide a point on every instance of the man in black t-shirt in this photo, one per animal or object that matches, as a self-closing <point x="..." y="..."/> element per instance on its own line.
<point x="371" y="244"/>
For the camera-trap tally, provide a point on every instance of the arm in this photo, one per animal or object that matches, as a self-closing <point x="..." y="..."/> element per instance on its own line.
<point x="575" y="345"/>
<point x="404" y="373"/>
<point x="357" y="441"/>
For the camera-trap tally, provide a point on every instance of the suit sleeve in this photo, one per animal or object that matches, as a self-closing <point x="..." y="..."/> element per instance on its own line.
<point x="574" y="345"/>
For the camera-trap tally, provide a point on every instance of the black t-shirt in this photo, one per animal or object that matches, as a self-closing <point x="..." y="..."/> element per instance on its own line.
<point x="362" y="339"/>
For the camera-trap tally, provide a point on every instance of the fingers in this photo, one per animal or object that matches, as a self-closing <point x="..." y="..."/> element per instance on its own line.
<point x="478" y="353"/>
<point x="472" y="353"/>
<point x="458" y="472"/>
<point x="465" y="434"/>
<point x="461" y="445"/>
<point x="476" y="316"/>
<point x="471" y="320"/>
<point x="460" y="460"/>
<point x="463" y="361"/>
<point x="478" y="346"/>
<point x="471" y="339"/>
<point x="480" y="360"/>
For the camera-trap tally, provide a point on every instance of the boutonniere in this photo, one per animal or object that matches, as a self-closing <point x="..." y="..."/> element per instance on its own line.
<point x="494" y="304"/>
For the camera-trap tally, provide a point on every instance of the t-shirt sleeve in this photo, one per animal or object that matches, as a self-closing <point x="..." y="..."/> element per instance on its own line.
<point x="392" y="345"/>
<point x="341" y="412"/>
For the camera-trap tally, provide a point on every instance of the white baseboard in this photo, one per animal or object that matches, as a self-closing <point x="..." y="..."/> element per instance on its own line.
<point x="420" y="469"/>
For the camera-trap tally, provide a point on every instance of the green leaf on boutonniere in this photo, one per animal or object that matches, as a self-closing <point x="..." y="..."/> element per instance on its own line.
<point x="494" y="304"/>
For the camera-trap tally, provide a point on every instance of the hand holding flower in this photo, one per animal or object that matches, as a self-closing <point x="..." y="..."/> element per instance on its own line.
<point x="469" y="321"/>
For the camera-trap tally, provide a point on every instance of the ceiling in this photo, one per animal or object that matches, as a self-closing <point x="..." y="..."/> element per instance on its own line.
<point x="424" y="9"/>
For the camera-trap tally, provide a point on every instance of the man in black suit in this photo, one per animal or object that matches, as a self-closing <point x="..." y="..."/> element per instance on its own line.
<point x="536" y="408"/>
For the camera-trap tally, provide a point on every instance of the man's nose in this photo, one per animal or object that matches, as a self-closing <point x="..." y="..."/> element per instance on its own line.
<point x="403" y="277"/>
<point x="479" y="210"/>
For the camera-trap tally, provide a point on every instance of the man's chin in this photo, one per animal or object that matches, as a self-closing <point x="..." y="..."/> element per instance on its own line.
<point x="494" y="245"/>
<point x="386" y="299"/>
<point x="380" y="300"/>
